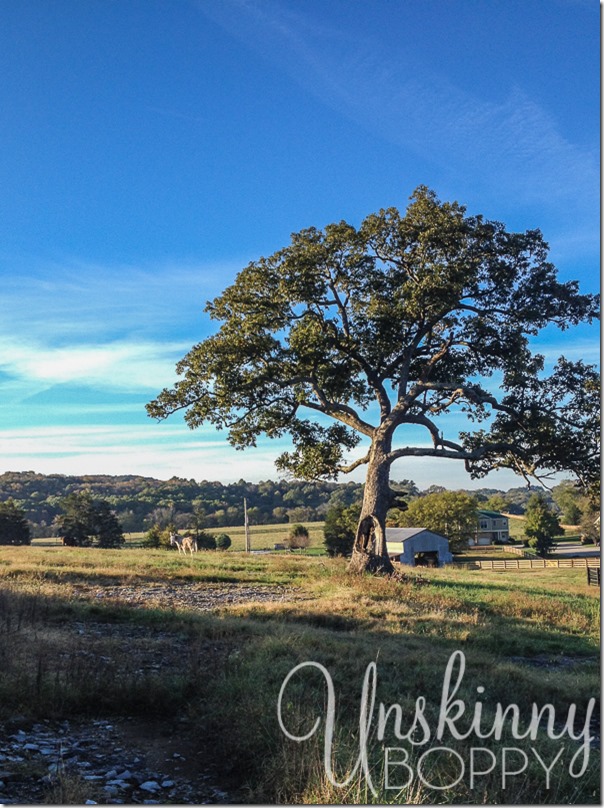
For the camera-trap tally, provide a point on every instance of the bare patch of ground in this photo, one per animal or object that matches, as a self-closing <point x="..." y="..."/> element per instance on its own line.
<point x="191" y="596"/>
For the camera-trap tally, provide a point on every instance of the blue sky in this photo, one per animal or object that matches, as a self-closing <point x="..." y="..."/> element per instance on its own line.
<point x="150" y="150"/>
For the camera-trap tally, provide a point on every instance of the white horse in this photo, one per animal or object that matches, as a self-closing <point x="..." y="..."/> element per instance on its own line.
<point x="190" y="544"/>
<point x="183" y="543"/>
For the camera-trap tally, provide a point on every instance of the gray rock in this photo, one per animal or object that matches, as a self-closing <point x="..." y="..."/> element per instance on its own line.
<point x="167" y="783"/>
<point x="150" y="785"/>
<point x="111" y="791"/>
<point x="121" y="784"/>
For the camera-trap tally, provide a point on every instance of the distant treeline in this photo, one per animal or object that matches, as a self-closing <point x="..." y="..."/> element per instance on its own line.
<point x="140" y="502"/>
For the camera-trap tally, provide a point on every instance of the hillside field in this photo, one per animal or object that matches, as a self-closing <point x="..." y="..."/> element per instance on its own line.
<point x="204" y="645"/>
<point x="264" y="537"/>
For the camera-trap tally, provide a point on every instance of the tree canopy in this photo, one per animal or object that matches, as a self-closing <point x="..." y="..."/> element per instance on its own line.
<point x="348" y="334"/>
<point x="14" y="527"/>
<point x="541" y="525"/>
<point x="340" y="528"/>
<point x="85" y="520"/>
<point x="450" y="513"/>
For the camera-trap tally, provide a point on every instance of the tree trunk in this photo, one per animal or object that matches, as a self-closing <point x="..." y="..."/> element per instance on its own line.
<point x="369" y="553"/>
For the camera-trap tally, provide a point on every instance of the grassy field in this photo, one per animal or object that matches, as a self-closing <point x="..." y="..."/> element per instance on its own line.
<point x="516" y="525"/>
<point x="262" y="537"/>
<point x="527" y="637"/>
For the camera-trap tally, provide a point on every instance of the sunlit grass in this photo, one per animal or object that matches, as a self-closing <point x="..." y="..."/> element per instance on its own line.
<point x="262" y="537"/>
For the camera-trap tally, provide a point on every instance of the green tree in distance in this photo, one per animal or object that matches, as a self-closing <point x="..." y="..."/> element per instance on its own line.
<point x="567" y="497"/>
<point x="451" y="513"/>
<point x="363" y="335"/>
<point x="14" y="527"/>
<point x="339" y="529"/>
<point x="590" y="526"/>
<point x="497" y="502"/>
<point x="85" y="519"/>
<point x="541" y="525"/>
<point x="76" y="523"/>
<point x="108" y="529"/>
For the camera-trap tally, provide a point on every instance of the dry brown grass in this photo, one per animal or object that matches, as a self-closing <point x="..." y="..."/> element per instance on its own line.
<point x="533" y="635"/>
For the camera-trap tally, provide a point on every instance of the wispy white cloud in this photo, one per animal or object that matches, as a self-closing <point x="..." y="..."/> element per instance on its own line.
<point x="573" y="349"/>
<point x="121" y="365"/>
<point x="113" y="328"/>
<point x="167" y="450"/>
<point x="157" y="450"/>
<point x="78" y="300"/>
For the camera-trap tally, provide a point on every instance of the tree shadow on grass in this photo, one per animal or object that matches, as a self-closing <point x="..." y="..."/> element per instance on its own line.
<point x="224" y="670"/>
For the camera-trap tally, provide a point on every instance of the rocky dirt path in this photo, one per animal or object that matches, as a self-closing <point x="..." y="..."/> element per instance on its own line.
<point x="194" y="596"/>
<point x="119" y="761"/>
<point x="97" y="762"/>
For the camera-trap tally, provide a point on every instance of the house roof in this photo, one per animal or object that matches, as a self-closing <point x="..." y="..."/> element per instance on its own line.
<point x="405" y="533"/>
<point x="491" y="514"/>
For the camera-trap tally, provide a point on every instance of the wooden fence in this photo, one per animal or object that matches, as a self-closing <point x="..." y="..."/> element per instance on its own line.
<point x="510" y="548"/>
<point x="593" y="576"/>
<point x="529" y="563"/>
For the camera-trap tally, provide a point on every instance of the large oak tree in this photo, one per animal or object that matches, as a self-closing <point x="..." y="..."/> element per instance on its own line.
<point x="366" y="334"/>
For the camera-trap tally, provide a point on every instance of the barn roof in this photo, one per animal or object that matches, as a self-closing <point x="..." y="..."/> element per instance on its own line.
<point x="405" y="533"/>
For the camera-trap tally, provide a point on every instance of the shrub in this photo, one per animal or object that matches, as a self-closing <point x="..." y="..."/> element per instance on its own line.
<point x="223" y="541"/>
<point x="586" y="540"/>
<point x="153" y="537"/>
<point x="298" y="537"/>
<point x="206" y="541"/>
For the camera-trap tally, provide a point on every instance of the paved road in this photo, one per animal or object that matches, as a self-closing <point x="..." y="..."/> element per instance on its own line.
<point x="567" y="550"/>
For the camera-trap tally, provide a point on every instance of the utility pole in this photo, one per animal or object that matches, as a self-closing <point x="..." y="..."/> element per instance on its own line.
<point x="247" y="527"/>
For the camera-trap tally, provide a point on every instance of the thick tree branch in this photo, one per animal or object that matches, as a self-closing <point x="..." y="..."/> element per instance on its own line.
<point x="342" y="413"/>
<point x="455" y="454"/>
<point x="352" y="466"/>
